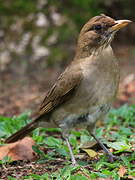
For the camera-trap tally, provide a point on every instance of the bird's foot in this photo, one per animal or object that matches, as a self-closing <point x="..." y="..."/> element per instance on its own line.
<point x="74" y="163"/>
<point x="112" y="158"/>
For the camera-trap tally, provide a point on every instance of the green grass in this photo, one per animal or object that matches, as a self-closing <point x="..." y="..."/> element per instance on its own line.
<point x="118" y="134"/>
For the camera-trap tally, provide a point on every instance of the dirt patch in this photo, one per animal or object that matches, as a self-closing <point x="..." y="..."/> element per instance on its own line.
<point x="20" y="169"/>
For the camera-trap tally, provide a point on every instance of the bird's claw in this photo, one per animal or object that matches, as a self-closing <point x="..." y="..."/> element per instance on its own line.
<point x="112" y="158"/>
<point x="74" y="163"/>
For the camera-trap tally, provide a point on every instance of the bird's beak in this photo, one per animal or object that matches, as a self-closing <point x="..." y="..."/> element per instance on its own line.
<point x="119" y="24"/>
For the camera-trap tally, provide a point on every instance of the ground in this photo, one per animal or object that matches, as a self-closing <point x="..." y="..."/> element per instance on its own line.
<point x="19" y="94"/>
<point x="53" y="159"/>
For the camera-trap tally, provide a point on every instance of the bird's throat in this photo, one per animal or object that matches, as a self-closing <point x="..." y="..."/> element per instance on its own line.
<point x="92" y="51"/>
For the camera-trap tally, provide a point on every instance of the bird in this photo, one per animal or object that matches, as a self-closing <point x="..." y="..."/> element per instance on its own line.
<point x="85" y="90"/>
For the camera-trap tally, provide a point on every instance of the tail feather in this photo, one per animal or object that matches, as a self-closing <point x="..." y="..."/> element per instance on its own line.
<point x="22" y="133"/>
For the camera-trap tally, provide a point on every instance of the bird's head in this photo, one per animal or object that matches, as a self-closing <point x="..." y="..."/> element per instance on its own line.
<point x="98" y="32"/>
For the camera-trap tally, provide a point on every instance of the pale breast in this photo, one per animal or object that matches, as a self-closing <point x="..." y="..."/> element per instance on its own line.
<point x="98" y="86"/>
<point x="101" y="77"/>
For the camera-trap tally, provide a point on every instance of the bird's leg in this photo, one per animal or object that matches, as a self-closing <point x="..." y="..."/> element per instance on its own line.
<point x="111" y="157"/>
<point x="74" y="163"/>
<point x="66" y="125"/>
<point x="92" y="118"/>
<point x="65" y="136"/>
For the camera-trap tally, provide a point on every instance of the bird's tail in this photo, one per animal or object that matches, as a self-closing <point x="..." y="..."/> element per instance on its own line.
<point x="22" y="132"/>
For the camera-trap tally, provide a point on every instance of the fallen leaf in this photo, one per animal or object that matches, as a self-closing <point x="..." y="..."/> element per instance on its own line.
<point x="131" y="177"/>
<point x="80" y="156"/>
<point x="20" y="150"/>
<point x="89" y="144"/>
<point x="90" y="152"/>
<point x="121" y="146"/>
<point x="122" y="171"/>
<point x="85" y="174"/>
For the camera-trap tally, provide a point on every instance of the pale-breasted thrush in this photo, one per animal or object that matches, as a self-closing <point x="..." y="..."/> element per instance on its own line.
<point x="84" y="92"/>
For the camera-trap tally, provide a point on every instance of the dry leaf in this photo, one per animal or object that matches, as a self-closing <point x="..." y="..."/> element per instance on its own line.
<point x="122" y="171"/>
<point x="88" y="144"/>
<point x="20" y="150"/>
<point x="131" y="177"/>
<point x="90" y="152"/>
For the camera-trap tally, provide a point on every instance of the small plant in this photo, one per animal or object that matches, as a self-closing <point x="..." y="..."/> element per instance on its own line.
<point x="119" y="133"/>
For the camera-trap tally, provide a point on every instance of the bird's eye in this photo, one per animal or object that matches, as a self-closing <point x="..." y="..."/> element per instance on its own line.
<point x="97" y="27"/>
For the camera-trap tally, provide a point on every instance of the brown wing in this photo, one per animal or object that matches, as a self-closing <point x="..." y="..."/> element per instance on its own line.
<point x="62" y="89"/>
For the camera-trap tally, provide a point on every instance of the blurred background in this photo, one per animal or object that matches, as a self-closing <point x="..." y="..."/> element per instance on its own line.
<point x="38" y="39"/>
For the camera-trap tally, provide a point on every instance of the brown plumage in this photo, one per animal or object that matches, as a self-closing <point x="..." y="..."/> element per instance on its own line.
<point x="84" y="92"/>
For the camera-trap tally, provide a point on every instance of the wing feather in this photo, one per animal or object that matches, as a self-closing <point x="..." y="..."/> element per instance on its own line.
<point x="62" y="90"/>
